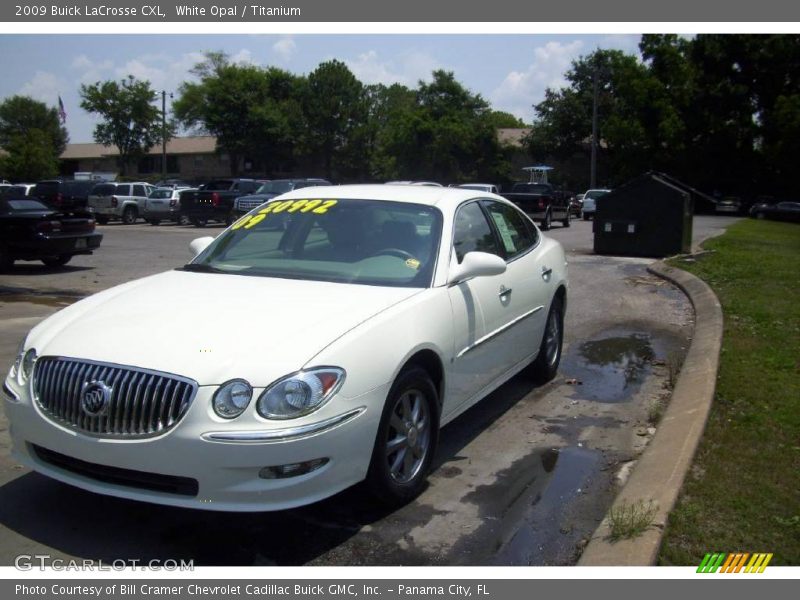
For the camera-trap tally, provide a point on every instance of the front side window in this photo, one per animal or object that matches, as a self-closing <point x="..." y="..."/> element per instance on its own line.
<point x="516" y="235"/>
<point x="340" y="240"/>
<point x="472" y="233"/>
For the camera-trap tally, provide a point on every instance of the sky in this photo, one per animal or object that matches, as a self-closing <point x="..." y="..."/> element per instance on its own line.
<point x="511" y="71"/>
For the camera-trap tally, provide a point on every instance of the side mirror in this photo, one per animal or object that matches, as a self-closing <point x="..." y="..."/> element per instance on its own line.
<point x="476" y="264"/>
<point x="198" y="245"/>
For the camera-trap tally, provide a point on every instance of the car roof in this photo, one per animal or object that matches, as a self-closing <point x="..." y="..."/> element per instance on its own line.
<point x="443" y="197"/>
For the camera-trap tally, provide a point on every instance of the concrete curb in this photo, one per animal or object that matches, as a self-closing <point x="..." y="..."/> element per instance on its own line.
<point x="661" y="469"/>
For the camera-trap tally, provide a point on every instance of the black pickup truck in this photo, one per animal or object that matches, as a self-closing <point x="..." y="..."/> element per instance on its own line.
<point x="542" y="202"/>
<point x="214" y="200"/>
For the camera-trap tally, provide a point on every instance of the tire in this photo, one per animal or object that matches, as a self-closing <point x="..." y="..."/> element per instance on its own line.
<point x="566" y="221"/>
<point x="6" y="261"/>
<point x="546" y="222"/>
<point x="129" y="215"/>
<point x="230" y="219"/>
<point x="199" y="222"/>
<point x="101" y="220"/>
<point x="405" y="443"/>
<point x="545" y="366"/>
<point x="154" y="222"/>
<point x="184" y="220"/>
<point x="57" y="261"/>
<point x="585" y="217"/>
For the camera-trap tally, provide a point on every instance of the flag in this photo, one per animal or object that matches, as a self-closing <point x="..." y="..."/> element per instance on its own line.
<point x="62" y="114"/>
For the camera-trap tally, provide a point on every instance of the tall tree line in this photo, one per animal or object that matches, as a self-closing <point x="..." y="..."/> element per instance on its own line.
<point x="721" y="112"/>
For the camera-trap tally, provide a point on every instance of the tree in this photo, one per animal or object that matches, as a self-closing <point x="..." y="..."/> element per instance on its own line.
<point x="31" y="156"/>
<point x="335" y="110"/>
<point x="131" y="121"/>
<point x="254" y="113"/>
<point x="33" y="138"/>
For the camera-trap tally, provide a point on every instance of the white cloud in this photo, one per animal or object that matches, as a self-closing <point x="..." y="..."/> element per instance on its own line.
<point x="45" y="87"/>
<point x="408" y="69"/>
<point x="243" y="56"/>
<point x="285" y="48"/>
<point x="521" y="89"/>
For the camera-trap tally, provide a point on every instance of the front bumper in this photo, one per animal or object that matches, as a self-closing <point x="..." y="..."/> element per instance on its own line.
<point x="224" y="458"/>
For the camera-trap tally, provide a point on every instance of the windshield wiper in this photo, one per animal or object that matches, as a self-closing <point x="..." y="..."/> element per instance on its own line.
<point x="200" y="268"/>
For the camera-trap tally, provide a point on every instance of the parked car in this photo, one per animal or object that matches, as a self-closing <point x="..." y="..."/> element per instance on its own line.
<point x="542" y="202"/>
<point x="782" y="211"/>
<point x="124" y="201"/>
<point x="271" y="189"/>
<point x="163" y="204"/>
<point x="20" y="190"/>
<point x="480" y="187"/>
<point x="729" y="204"/>
<point x="355" y="337"/>
<point x="29" y="230"/>
<point x="5" y="188"/>
<point x="590" y="202"/>
<point x="214" y="200"/>
<point x="70" y="196"/>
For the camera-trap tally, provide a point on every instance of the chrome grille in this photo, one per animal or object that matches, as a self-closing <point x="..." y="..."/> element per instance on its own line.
<point x="141" y="403"/>
<point x="246" y="205"/>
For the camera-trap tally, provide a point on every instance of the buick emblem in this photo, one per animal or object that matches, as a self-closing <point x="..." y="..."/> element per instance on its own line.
<point x="95" y="398"/>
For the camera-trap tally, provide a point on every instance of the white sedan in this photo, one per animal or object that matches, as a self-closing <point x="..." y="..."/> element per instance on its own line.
<point x="321" y="340"/>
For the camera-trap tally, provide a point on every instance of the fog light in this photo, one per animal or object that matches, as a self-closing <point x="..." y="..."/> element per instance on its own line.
<point x="292" y="470"/>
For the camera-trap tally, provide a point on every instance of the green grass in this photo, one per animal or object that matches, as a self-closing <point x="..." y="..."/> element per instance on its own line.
<point x="743" y="490"/>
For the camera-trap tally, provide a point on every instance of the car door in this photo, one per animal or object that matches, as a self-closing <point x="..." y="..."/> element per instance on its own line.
<point x="140" y="195"/>
<point x="528" y="281"/>
<point x="480" y="310"/>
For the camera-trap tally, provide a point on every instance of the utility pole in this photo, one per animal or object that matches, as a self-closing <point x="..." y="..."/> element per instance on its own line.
<point x="164" y="133"/>
<point x="593" y="168"/>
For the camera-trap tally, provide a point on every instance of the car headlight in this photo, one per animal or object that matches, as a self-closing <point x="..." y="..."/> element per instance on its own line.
<point x="23" y="366"/>
<point x="17" y="360"/>
<point x="299" y="394"/>
<point x="232" y="398"/>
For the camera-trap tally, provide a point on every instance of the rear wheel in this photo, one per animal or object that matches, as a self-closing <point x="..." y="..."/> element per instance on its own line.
<point x="184" y="220"/>
<point x="545" y="367"/>
<point x="230" y="219"/>
<point x="129" y="215"/>
<point x="547" y="221"/>
<point x="567" y="219"/>
<point x="57" y="261"/>
<point x="199" y="222"/>
<point x="406" y="439"/>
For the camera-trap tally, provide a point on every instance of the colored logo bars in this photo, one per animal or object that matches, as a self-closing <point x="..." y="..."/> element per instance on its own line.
<point x="734" y="563"/>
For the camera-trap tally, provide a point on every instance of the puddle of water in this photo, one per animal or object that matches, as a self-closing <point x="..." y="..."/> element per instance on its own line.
<point x="611" y="368"/>
<point x="525" y="509"/>
<point x="51" y="300"/>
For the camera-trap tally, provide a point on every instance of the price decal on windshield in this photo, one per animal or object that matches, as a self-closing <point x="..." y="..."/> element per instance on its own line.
<point x="317" y="207"/>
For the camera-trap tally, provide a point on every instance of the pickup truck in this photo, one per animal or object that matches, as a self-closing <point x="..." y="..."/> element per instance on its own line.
<point x="214" y="200"/>
<point x="542" y="202"/>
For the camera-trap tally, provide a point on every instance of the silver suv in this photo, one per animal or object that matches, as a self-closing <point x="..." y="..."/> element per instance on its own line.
<point x="124" y="201"/>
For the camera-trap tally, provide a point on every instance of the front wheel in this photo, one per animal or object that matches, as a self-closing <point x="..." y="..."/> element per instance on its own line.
<point x="57" y="261"/>
<point x="198" y="222"/>
<point x="545" y="367"/>
<point x="154" y="222"/>
<point x="406" y="439"/>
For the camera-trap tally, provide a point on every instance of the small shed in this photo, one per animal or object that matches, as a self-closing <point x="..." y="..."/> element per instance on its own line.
<point x="648" y="216"/>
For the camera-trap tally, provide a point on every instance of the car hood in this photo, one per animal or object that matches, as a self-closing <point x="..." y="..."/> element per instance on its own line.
<point x="212" y="327"/>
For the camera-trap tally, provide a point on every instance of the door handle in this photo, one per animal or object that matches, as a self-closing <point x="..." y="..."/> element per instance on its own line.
<point x="546" y="272"/>
<point x="504" y="291"/>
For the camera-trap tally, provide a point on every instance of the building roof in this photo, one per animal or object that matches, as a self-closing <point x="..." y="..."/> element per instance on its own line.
<point x="513" y="136"/>
<point x="201" y="144"/>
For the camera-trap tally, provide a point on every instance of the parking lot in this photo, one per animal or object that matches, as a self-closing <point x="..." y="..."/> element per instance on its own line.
<point x="522" y="478"/>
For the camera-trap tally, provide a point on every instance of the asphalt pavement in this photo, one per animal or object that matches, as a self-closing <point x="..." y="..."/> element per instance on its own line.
<point x="522" y="478"/>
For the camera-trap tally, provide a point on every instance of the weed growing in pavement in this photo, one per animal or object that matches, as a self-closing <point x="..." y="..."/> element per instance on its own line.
<point x="630" y="520"/>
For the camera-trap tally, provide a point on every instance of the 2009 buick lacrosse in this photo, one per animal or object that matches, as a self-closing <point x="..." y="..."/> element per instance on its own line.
<point x="321" y="340"/>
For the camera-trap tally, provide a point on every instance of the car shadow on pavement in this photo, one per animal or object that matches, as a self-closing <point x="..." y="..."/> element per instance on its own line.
<point x="40" y="269"/>
<point x="64" y="521"/>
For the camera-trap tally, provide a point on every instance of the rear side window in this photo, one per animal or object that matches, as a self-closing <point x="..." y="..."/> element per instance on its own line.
<point x="472" y="233"/>
<point x="138" y="190"/>
<point x="515" y="236"/>
<point x="46" y="188"/>
<point x="104" y="189"/>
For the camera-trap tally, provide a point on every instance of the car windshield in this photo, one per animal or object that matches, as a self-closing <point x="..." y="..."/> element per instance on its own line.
<point x="275" y="187"/>
<point x="23" y="205"/>
<point x="366" y="242"/>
